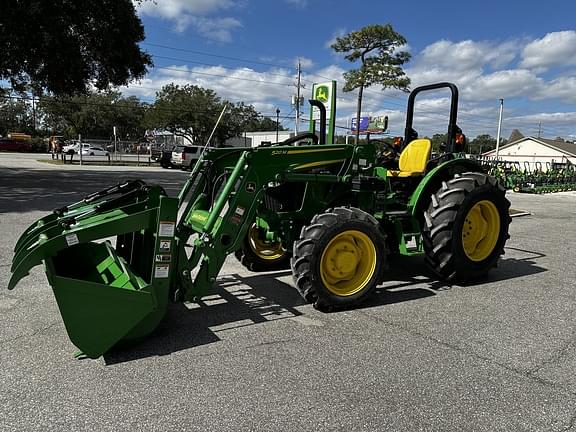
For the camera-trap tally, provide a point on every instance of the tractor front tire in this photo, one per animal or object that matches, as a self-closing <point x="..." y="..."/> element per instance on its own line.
<point x="466" y="227"/>
<point x="339" y="259"/>
<point x="259" y="256"/>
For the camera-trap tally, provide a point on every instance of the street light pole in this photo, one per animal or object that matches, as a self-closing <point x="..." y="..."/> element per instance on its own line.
<point x="499" y="127"/>
<point x="277" y="123"/>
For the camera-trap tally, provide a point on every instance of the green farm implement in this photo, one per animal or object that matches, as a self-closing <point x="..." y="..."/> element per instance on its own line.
<point x="556" y="177"/>
<point x="333" y="213"/>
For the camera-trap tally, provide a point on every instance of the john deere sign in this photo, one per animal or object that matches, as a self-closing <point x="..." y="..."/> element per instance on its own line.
<point x="325" y="93"/>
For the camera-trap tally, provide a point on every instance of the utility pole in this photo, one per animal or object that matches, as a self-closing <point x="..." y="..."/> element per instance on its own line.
<point x="499" y="127"/>
<point x="539" y="129"/>
<point x="298" y="100"/>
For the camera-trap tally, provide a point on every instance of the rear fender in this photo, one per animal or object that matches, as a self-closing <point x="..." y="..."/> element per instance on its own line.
<point x="431" y="182"/>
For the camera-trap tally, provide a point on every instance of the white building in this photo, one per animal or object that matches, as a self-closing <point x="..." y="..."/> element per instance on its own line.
<point x="255" y="139"/>
<point x="536" y="151"/>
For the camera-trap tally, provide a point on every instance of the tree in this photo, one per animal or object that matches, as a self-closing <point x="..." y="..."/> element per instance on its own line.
<point x="15" y="116"/>
<point x="66" y="46"/>
<point x="482" y="143"/>
<point x="262" y="124"/>
<point x="94" y="115"/>
<point x="438" y="140"/>
<point x="191" y="112"/>
<point x="377" y="47"/>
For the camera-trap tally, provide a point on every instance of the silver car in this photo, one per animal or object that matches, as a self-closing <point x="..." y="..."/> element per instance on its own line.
<point x="184" y="157"/>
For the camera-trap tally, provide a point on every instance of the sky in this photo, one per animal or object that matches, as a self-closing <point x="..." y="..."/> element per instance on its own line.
<point x="247" y="50"/>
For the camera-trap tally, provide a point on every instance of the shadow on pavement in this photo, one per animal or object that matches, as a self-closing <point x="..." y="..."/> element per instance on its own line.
<point x="401" y="277"/>
<point x="239" y="301"/>
<point x="235" y="302"/>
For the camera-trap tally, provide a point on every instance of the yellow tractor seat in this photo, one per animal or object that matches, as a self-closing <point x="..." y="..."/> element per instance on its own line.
<point x="413" y="159"/>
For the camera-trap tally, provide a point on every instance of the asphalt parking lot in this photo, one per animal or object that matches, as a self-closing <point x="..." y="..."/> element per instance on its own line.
<point x="419" y="356"/>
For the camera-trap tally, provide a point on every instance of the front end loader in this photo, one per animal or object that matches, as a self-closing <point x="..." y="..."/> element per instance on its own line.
<point x="333" y="213"/>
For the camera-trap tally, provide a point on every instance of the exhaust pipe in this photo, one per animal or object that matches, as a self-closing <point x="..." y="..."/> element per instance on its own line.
<point x="322" y="109"/>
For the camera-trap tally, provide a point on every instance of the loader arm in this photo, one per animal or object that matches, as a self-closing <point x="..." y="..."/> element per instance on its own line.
<point x="220" y="222"/>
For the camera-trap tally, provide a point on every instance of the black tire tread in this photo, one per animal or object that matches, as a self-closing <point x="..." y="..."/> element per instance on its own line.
<point x="304" y="249"/>
<point x="440" y="218"/>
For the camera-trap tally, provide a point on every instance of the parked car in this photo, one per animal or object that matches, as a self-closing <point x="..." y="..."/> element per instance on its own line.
<point x="87" y="149"/>
<point x="93" y="150"/>
<point x="73" y="147"/>
<point x="184" y="156"/>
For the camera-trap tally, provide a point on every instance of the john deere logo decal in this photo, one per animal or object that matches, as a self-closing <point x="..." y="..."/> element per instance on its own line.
<point x="322" y="93"/>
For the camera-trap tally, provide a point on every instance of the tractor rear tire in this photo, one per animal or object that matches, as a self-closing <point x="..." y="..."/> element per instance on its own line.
<point x="339" y="259"/>
<point x="466" y="227"/>
<point x="258" y="256"/>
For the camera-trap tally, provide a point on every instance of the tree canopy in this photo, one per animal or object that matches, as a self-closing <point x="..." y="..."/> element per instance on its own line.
<point x="66" y="46"/>
<point x="378" y="49"/>
<point x="191" y="112"/>
<point x="94" y="115"/>
<point x="15" y="116"/>
<point x="482" y="143"/>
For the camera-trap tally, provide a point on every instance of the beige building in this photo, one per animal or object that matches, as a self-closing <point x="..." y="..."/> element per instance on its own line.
<point x="536" y="151"/>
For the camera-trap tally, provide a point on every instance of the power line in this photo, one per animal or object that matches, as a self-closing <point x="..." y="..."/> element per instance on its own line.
<point x="211" y="55"/>
<point x="215" y="65"/>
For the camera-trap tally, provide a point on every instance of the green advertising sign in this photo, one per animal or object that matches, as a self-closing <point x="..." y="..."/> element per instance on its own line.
<point x="325" y="93"/>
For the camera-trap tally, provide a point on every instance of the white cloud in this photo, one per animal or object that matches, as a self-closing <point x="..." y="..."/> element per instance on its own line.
<point x="218" y="29"/>
<point x="467" y="55"/>
<point x="504" y="84"/>
<point x="563" y="88"/>
<point x="235" y="85"/>
<point x="306" y="63"/>
<point x="554" y="49"/>
<point x="173" y="9"/>
<point x="462" y="63"/>
<point x="196" y="14"/>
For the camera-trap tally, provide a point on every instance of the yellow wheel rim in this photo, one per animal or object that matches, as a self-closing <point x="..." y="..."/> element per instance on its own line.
<point x="348" y="263"/>
<point x="481" y="230"/>
<point x="265" y="250"/>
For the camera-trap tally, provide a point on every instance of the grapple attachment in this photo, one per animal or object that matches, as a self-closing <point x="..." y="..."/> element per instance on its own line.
<point x="106" y="294"/>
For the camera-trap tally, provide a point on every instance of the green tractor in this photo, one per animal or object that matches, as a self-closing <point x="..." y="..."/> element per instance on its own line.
<point x="333" y="213"/>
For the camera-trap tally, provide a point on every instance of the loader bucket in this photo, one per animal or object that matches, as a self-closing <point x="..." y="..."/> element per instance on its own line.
<point x="100" y="299"/>
<point x="106" y="294"/>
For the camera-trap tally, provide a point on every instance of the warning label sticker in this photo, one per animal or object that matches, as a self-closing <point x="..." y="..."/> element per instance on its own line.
<point x="163" y="258"/>
<point x="165" y="245"/>
<point x="166" y="229"/>
<point x="161" y="271"/>
<point x="72" y="239"/>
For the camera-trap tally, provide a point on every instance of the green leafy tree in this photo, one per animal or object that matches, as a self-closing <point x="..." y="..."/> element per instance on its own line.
<point x="15" y="116"/>
<point x="482" y="143"/>
<point x="234" y="121"/>
<point x="377" y="48"/>
<point x="191" y="112"/>
<point x="66" y="46"/>
<point x="94" y="115"/>
<point x="263" y="124"/>
<point x="438" y="140"/>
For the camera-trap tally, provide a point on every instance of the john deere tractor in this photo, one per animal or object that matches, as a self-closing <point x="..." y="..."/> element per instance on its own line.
<point x="333" y="213"/>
